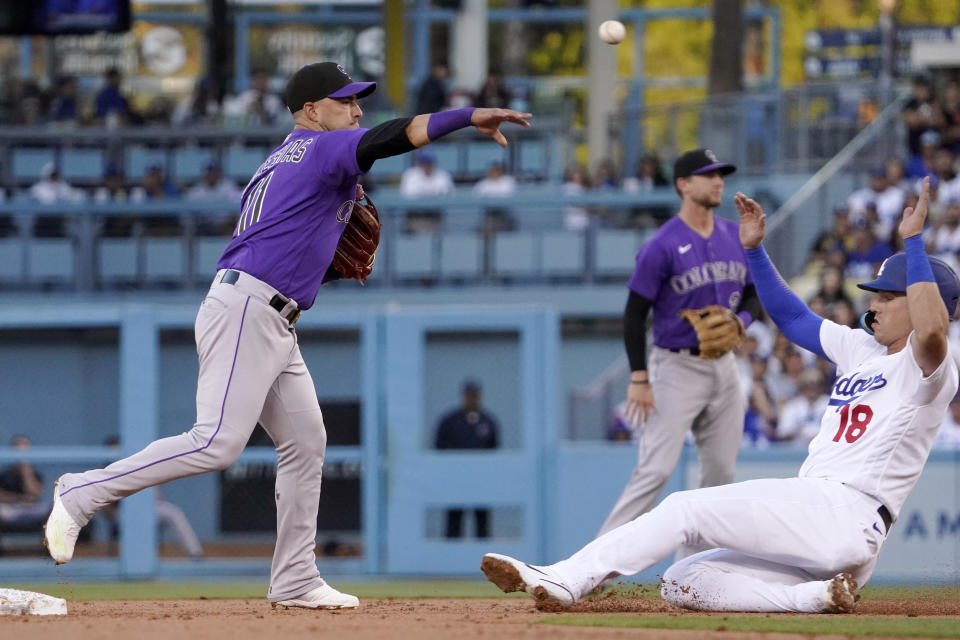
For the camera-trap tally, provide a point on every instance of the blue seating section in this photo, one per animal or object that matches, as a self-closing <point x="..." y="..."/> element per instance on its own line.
<point x="616" y="251"/>
<point x="164" y="259"/>
<point x="562" y="253"/>
<point x="190" y="164"/>
<point x="461" y="255"/>
<point x="206" y="253"/>
<point x="413" y="255"/>
<point x="82" y="164"/>
<point x="51" y="260"/>
<point x="138" y="159"/>
<point x="515" y="254"/>
<point x="27" y="163"/>
<point x="241" y="162"/>
<point x="11" y="259"/>
<point x="117" y="259"/>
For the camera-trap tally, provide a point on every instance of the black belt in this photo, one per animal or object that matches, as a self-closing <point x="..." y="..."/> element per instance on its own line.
<point x="278" y="301"/>
<point x="694" y="351"/>
<point x="885" y="516"/>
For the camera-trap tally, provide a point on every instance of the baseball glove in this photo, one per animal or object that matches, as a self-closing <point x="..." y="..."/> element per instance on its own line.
<point x="718" y="329"/>
<point x="357" y="248"/>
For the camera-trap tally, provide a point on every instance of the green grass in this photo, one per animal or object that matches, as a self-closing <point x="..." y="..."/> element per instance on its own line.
<point x="834" y="625"/>
<point x="188" y="590"/>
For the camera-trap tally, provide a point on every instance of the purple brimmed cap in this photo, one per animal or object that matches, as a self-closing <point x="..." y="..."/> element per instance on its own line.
<point x="322" y="80"/>
<point x="700" y="161"/>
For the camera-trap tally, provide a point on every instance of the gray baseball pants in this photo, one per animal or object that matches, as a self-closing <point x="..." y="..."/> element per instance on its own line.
<point x="250" y="370"/>
<point x="691" y="394"/>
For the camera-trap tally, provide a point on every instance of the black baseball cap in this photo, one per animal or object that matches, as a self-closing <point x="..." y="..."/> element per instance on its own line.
<point x="322" y="80"/>
<point x="700" y="161"/>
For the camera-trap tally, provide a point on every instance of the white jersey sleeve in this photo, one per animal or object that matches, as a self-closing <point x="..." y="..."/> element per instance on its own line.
<point x="882" y="417"/>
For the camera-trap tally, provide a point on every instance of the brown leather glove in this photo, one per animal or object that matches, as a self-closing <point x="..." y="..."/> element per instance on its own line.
<point x="358" y="245"/>
<point x="718" y="329"/>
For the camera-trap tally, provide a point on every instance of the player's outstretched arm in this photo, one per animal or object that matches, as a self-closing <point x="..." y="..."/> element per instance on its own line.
<point x="428" y="127"/>
<point x="789" y="313"/>
<point x="928" y="314"/>
<point x="403" y="135"/>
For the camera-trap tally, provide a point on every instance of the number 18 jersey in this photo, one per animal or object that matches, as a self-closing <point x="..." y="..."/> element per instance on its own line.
<point x="882" y="418"/>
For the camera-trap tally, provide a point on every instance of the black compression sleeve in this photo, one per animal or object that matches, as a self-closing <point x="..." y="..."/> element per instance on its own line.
<point x="384" y="140"/>
<point x="750" y="302"/>
<point x="635" y="330"/>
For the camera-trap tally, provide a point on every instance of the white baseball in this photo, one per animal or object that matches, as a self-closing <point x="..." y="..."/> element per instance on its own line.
<point x="612" y="31"/>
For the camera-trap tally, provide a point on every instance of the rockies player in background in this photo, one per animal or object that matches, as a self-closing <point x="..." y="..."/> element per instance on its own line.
<point x="294" y="212"/>
<point x="800" y="544"/>
<point x="693" y="266"/>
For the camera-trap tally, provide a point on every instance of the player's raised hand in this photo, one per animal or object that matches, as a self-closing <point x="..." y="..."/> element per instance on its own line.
<point x="753" y="221"/>
<point x="914" y="217"/>
<point x="488" y="121"/>
<point x="639" y="403"/>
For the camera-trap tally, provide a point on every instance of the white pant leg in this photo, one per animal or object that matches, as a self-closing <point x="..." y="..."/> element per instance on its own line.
<point x="242" y="345"/>
<point x="817" y="525"/>
<point x="291" y="416"/>
<point x="724" y="580"/>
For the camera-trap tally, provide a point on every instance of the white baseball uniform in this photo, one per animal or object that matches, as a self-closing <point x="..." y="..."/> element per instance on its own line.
<point x="774" y="544"/>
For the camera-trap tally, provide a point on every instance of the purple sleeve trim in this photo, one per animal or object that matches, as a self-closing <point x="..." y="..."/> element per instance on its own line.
<point x="444" y="122"/>
<point x="746" y="318"/>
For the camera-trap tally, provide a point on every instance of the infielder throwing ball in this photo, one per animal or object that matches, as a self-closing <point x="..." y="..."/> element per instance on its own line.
<point x="693" y="273"/>
<point x="799" y="544"/>
<point x="301" y="224"/>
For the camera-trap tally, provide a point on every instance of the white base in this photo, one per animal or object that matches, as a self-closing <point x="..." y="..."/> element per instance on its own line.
<point x="14" y="602"/>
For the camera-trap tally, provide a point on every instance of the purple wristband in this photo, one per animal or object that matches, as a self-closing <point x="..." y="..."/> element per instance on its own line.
<point x="444" y="122"/>
<point x="918" y="265"/>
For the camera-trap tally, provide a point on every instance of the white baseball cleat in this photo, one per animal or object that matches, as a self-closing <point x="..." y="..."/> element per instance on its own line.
<point x="510" y="574"/>
<point x="841" y="594"/>
<point x="323" y="597"/>
<point x="60" y="532"/>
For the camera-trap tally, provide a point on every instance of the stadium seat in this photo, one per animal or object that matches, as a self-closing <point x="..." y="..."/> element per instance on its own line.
<point x="448" y="157"/>
<point x="117" y="259"/>
<point x="533" y="159"/>
<point x="82" y="164"/>
<point x="562" y="253"/>
<point x="27" y="163"/>
<point x="11" y="259"/>
<point x="616" y="251"/>
<point x="460" y="255"/>
<point x="164" y="259"/>
<point x="390" y="167"/>
<point x="241" y="162"/>
<point x="206" y="253"/>
<point x="413" y="255"/>
<point x="514" y="254"/>
<point x="138" y="159"/>
<point x="480" y="155"/>
<point x="189" y="164"/>
<point x="52" y="259"/>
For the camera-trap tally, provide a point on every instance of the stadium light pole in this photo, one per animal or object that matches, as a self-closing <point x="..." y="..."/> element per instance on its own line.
<point x="887" y="54"/>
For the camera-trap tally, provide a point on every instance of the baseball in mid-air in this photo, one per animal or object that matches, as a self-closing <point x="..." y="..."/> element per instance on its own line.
<point x="612" y="31"/>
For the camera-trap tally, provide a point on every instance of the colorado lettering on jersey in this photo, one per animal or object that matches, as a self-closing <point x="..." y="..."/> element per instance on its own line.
<point x="708" y="273"/>
<point x="848" y="389"/>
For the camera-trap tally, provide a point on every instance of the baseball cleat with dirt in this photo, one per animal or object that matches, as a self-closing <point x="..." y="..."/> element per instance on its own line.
<point x="60" y="532"/>
<point x="842" y="594"/>
<point x="510" y="574"/>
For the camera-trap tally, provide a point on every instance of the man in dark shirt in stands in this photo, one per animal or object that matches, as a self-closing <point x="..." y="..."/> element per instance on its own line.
<point x="468" y="427"/>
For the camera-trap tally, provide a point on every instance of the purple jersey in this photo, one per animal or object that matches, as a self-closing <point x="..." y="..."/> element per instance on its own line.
<point x="680" y="269"/>
<point x="294" y="210"/>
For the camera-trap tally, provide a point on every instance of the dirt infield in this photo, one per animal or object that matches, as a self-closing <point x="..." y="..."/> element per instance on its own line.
<point x="422" y="619"/>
